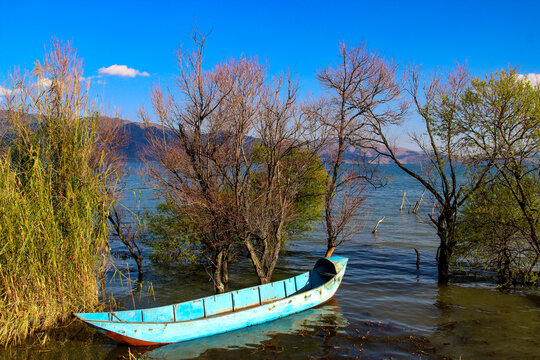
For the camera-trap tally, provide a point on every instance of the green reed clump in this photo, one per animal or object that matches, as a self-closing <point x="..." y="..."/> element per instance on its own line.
<point x="55" y="182"/>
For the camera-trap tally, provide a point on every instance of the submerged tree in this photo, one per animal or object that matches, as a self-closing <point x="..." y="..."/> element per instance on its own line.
<point x="180" y="226"/>
<point x="437" y="101"/>
<point x="493" y="233"/>
<point x="172" y="237"/>
<point x="227" y="170"/>
<point x="501" y="124"/>
<point x="287" y="180"/>
<point x="185" y="173"/>
<point x="359" y="87"/>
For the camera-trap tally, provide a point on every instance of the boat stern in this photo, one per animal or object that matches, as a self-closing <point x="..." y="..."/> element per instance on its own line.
<point x="339" y="262"/>
<point x="334" y="265"/>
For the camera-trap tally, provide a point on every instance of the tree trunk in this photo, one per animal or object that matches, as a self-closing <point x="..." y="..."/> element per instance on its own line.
<point x="330" y="251"/>
<point x="225" y="270"/>
<point x="127" y="239"/>
<point x="264" y="267"/>
<point x="443" y="262"/>
<point x="273" y="256"/>
<point x="331" y="236"/>
<point x="255" y="261"/>
<point x="217" y="267"/>
<point x="138" y="259"/>
<point x="446" y="230"/>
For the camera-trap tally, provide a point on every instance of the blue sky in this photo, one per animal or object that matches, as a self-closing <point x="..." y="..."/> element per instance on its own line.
<point x="298" y="36"/>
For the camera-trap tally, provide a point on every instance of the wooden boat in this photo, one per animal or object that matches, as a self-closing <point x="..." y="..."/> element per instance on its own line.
<point x="224" y="312"/>
<point x="252" y="337"/>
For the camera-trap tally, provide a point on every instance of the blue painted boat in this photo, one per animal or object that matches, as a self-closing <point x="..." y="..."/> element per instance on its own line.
<point x="252" y="337"/>
<point x="224" y="312"/>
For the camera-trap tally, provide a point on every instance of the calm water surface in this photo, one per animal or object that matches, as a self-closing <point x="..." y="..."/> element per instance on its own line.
<point x="385" y="307"/>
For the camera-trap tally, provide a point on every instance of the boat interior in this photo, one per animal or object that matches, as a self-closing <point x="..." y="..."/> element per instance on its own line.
<point x="229" y="302"/>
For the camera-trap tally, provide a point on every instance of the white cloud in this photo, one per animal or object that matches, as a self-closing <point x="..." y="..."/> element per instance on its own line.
<point x="45" y="82"/>
<point x="121" y="70"/>
<point x="533" y="78"/>
<point x="4" y="91"/>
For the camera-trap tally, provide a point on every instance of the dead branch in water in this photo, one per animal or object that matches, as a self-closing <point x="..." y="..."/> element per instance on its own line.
<point x="402" y="201"/>
<point x="374" y="231"/>
<point x="417" y="204"/>
<point x="417" y="259"/>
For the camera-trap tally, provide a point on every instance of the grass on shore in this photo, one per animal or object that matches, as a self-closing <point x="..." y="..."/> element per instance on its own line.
<point x="54" y="197"/>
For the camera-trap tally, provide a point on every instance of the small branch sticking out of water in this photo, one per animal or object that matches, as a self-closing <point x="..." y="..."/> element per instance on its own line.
<point x="417" y="259"/>
<point x="374" y="231"/>
<point x="417" y="205"/>
<point x="402" y="201"/>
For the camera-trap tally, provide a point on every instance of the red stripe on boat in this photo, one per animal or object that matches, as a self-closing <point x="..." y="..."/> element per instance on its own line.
<point x="129" y="340"/>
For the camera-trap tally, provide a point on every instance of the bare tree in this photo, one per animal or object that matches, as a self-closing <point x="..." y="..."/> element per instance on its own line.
<point x="185" y="172"/>
<point x="437" y="101"/>
<point x="360" y="86"/>
<point x="228" y="166"/>
<point x="280" y="166"/>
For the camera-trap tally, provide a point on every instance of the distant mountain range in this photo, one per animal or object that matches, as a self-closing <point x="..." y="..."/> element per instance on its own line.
<point x="354" y="154"/>
<point x="137" y="141"/>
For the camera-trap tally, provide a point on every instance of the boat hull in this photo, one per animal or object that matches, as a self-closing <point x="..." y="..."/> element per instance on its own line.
<point x="322" y="288"/>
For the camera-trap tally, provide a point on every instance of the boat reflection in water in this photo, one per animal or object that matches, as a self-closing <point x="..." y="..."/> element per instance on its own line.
<point x="253" y="336"/>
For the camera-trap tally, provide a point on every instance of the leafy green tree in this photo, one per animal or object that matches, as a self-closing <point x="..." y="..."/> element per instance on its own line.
<point x="172" y="237"/>
<point x="491" y="231"/>
<point x="501" y="124"/>
<point x="308" y="204"/>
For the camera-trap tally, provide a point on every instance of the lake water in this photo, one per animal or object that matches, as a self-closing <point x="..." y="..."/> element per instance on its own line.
<point x="385" y="307"/>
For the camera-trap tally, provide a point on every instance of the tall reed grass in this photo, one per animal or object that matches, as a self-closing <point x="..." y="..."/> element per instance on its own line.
<point x="56" y="177"/>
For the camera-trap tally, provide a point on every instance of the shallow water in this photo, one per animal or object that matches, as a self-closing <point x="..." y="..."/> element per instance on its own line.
<point x="385" y="307"/>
